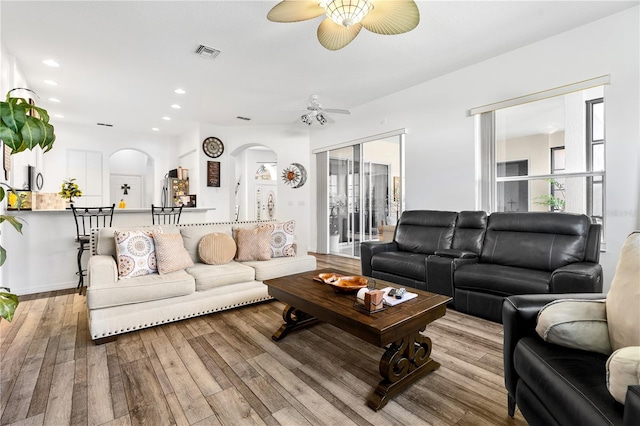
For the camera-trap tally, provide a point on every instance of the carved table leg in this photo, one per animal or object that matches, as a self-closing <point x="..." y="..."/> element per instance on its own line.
<point x="403" y="363"/>
<point x="294" y="319"/>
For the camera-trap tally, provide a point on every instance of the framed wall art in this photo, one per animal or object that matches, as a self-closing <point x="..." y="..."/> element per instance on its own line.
<point x="213" y="174"/>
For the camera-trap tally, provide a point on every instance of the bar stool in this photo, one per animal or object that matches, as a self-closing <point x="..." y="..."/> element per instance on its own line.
<point x="88" y="218"/>
<point x="165" y="215"/>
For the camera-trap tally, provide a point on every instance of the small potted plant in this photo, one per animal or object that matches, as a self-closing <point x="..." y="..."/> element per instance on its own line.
<point x="70" y="190"/>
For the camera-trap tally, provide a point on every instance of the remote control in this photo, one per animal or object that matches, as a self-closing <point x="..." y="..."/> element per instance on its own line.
<point x="400" y="292"/>
<point x="392" y="292"/>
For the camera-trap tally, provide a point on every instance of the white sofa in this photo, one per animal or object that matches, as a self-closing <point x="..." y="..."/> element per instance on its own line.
<point x="118" y="306"/>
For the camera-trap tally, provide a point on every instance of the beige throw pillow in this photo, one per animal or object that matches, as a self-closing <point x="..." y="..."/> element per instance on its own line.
<point x="170" y="253"/>
<point x="623" y="299"/>
<point x="135" y="253"/>
<point x="574" y="323"/>
<point x="623" y="370"/>
<point x="253" y="243"/>
<point x="216" y="248"/>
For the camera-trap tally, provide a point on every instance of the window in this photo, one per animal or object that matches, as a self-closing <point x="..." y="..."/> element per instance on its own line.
<point x="544" y="152"/>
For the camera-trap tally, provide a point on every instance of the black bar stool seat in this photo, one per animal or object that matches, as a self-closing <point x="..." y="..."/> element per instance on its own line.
<point x="86" y="219"/>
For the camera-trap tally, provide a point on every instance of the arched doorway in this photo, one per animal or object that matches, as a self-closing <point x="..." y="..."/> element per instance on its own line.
<point x="256" y="194"/>
<point x="131" y="178"/>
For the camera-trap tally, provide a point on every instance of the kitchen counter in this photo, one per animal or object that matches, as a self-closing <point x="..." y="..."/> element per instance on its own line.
<point x="43" y="257"/>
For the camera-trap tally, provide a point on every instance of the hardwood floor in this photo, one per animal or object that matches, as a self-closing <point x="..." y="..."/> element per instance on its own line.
<point x="224" y="369"/>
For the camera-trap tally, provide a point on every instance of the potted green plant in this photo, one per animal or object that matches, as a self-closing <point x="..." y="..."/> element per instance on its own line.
<point x="23" y="126"/>
<point x="555" y="204"/>
<point x="70" y="190"/>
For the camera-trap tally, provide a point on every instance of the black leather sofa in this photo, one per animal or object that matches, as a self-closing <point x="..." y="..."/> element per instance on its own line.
<point x="479" y="259"/>
<point x="554" y="385"/>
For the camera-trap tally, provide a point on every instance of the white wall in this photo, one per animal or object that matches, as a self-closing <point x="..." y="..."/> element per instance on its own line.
<point x="107" y="141"/>
<point x="289" y="145"/>
<point x="440" y="150"/>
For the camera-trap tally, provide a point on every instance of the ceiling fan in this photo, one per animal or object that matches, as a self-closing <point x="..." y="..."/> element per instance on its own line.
<point x="315" y="110"/>
<point x="345" y="18"/>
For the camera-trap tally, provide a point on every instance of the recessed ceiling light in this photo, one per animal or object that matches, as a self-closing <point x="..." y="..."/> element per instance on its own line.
<point x="51" y="63"/>
<point x="180" y="91"/>
<point x="155" y="129"/>
<point x="51" y="82"/>
<point x="176" y="106"/>
<point x="166" y="118"/>
<point x="54" y="99"/>
<point x="58" y="115"/>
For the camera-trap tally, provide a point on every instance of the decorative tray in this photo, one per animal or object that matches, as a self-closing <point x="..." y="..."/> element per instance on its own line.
<point x="341" y="283"/>
<point x="360" y="307"/>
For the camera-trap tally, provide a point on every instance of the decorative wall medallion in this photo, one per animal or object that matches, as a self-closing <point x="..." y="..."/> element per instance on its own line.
<point x="295" y="175"/>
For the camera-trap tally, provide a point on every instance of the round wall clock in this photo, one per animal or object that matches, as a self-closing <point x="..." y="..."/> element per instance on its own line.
<point x="213" y="147"/>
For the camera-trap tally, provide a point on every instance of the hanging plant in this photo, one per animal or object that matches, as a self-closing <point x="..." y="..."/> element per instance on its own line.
<point x="22" y="126"/>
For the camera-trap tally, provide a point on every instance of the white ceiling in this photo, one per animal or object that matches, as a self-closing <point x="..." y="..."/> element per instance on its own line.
<point x="121" y="61"/>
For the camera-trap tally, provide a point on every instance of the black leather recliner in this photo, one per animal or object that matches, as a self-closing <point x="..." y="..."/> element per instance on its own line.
<point x="529" y="253"/>
<point x="554" y="385"/>
<point x="418" y="235"/>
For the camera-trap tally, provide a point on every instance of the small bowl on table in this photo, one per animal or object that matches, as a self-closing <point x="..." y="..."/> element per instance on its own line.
<point x="349" y="284"/>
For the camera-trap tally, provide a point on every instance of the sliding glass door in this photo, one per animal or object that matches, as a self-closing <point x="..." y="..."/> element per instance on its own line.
<point x="364" y="188"/>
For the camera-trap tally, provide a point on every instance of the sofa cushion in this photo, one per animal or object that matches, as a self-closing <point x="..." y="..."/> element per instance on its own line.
<point x="469" y="232"/>
<point x="575" y="323"/>
<point x="425" y="231"/>
<point x="282" y="239"/>
<point x="623" y="299"/>
<point x="191" y="236"/>
<point x="253" y="243"/>
<point x="623" y="370"/>
<point x="501" y="280"/>
<point x="106" y="244"/>
<point x="404" y="264"/>
<point x="170" y="253"/>
<point x="281" y="266"/>
<point x="543" y="241"/>
<point x="216" y="248"/>
<point x="140" y="289"/>
<point x="136" y="253"/>
<point x="570" y="383"/>
<point x="211" y="276"/>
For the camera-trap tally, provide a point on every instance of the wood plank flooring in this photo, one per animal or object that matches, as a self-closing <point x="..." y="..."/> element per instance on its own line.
<point x="224" y="369"/>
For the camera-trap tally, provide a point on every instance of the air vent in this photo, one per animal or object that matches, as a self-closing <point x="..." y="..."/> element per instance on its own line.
<point x="207" y="52"/>
<point x="243" y="118"/>
<point x="105" y="124"/>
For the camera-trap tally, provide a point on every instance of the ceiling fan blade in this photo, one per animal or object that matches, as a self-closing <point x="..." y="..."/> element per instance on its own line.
<point x="392" y="17"/>
<point x="336" y="111"/>
<point x="295" y="11"/>
<point x="334" y="37"/>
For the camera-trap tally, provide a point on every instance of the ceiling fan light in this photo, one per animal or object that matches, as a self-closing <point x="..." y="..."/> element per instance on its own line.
<point x="306" y="119"/>
<point x="348" y="12"/>
<point x="321" y="119"/>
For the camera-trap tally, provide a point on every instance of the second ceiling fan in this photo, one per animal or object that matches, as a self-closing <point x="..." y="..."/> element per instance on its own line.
<point x="317" y="112"/>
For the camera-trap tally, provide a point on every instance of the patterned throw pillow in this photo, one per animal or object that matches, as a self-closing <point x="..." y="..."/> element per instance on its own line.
<point x="135" y="252"/>
<point x="171" y="254"/>
<point x="217" y="248"/>
<point x="253" y="243"/>
<point x="282" y="239"/>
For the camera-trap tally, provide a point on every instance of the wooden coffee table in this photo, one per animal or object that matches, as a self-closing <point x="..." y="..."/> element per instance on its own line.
<point x="396" y="328"/>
